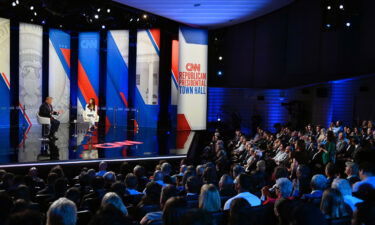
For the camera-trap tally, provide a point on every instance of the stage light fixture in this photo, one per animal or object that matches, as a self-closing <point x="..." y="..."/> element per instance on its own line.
<point x="328" y="25"/>
<point x="219" y="73"/>
<point x="103" y="26"/>
<point x="31" y="7"/>
<point x="341" y="7"/>
<point x="96" y="16"/>
<point x="108" y="10"/>
<point x="144" y="16"/>
<point x="218" y="119"/>
<point x="131" y="19"/>
<point x="61" y="25"/>
<point x="99" y="9"/>
<point x="32" y="20"/>
<point x="35" y="14"/>
<point x="220" y="58"/>
<point x="348" y="24"/>
<point x="14" y="4"/>
<point x="329" y="7"/>
<point x="17" y="2"/>
<point x="43" y="22"/>
<point x="137" y="19"/>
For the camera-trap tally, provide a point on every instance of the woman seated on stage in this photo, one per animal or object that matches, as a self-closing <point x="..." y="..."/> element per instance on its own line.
<point x="91" y="112"/>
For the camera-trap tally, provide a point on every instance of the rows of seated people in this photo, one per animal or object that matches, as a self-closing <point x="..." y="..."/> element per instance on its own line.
<point x="309" y="176"/>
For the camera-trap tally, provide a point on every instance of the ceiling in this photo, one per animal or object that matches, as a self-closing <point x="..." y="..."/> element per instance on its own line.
<point x="208" y="13"/>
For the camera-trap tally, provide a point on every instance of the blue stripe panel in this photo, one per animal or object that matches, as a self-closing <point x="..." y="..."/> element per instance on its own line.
<point x="147" y="115"/>
<point x="60" y="39"/>
<point x="194" y="35"/>
<point x="4" y="104"/>
<point x="88" y="55"/>
<point x="117" y="81"/>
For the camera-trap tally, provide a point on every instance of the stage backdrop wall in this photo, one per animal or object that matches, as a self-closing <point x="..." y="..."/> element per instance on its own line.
<point x="147" y="78"/>
<point x="4" y="71"/>
<point x="174" y="84"/>
<point x="59" y="72"/>
<point x="88" y="69"/>
<point x="192" y="78"/>
<point x="117" y="77"/>
<point x="30" y="70"/>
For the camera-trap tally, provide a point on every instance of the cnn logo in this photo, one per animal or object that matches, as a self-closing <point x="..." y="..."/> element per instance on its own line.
<point x="193" y="67"/>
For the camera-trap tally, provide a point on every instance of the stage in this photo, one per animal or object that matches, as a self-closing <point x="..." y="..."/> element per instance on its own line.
<point x="23" y="146"/>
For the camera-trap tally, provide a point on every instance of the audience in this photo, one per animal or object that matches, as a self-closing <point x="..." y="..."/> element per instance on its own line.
<point x="308" y="176"/>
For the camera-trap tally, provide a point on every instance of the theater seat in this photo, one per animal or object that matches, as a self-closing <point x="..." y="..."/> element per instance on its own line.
<point x="91" y="204"/>
<point x="193" y="203"/>
<point x="83" y="217"/>
<point x="341" y="221"/>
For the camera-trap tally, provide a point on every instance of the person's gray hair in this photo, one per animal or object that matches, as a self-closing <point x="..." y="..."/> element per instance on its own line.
<point x="111" y="198"/>
<point x="285" y="186"/>
<point x="166" y="168"/>
<point x="343" y="186"/>
<point x="62" y="212"/>
<point x="110" y="176"/>
<point x="318" y="182"/>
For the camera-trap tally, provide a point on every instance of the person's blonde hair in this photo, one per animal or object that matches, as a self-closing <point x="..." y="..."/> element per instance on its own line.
<point x="209" y="198"/>
<point x="111" y="198"/>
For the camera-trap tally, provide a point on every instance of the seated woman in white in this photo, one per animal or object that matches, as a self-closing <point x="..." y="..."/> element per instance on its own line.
<point x="91" y="111"/>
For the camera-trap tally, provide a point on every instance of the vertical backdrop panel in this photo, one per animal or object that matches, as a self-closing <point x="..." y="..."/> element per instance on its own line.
<point x="147" y="78"/>
<point x="88" y="69"/>
<point x="4" y="88"/>
<point x="192" y="78"/>
<point x="5" y="72"/>
<point x="59" y="72"/>
<point x="30" y="71"/>
<point x="117" y="77"/>
<point x="174" y="83"/>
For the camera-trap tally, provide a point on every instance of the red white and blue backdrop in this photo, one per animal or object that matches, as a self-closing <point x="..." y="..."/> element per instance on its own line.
<point x="192" y="79"/>
<point x="59" y="72"/>
<point x="88" y="69"/>
<point x="146" y="99"/>
<point x="117" y="77"/>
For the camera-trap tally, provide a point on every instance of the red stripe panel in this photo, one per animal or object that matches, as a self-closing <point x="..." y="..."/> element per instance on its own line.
<point x="66" y="53"/>
<point x="156" y="35"/>
<point x="175" y="52"/>
<point x="84" y="85"/>
<point x="182" y="123"/>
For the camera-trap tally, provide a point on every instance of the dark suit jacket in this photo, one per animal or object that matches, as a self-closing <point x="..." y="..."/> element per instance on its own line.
<point x="46" y="110"/>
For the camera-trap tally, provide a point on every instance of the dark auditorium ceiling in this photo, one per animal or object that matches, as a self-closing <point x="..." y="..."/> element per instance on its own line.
<point x="208" y="13"/>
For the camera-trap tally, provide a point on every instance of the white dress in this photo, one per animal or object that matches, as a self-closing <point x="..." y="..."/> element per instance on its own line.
<point x="91" y="114"/>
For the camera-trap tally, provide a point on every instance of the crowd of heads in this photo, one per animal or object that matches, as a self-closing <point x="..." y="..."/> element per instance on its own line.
<point x="309" y="176"/>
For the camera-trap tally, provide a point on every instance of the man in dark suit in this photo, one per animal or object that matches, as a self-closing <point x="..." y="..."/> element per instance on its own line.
<point x="46" y="110"/>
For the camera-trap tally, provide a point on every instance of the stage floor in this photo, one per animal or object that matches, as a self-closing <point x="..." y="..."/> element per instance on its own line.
<point x="24" y="146"/>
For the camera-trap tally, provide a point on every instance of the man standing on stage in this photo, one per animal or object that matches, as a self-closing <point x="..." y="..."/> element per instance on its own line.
<point x="46" y="110"/>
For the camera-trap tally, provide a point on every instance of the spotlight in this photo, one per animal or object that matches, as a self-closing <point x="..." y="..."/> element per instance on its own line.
<point x="17" y="2"/>
<point x="43" y="22"/>
<point x="218" y="119"/>
<point x="131" y="19"/>
<point x="219" y="73"/>
<point x="137" y="19"/>
<point x="98" y="9"/>
<point x="32" y="20"/>
<point x="35" y="14"/>
<point x="341" y="7"/>
<point x="103" y="26"/>
<point x="220" y="58"/>
<point x="348" y="24"/>
<point x="96" y="16"/>
<point x="329" y="7"/>
<point x="31" y="7"/>
<point x="328" y="25"/>
<point x="14" y="4"/>
<point x="144" y="16"/>
<point x="108" y="10"/>
<point x="61" y="25"/>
